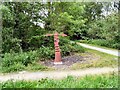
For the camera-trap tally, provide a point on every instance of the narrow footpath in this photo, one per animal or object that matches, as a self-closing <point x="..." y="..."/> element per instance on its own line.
<point x="56" y="74"/>
<point x="112" y="52"/>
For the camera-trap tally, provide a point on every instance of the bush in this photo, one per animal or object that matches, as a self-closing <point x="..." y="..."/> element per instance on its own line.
<point x="70" y="49"/>
<point x="11" y="44"/>
<point x="46" y="52"/>
<point x="16" y="67"/>
<point x="24" y="58"/>
<point x="35" y="66"/>
<point x="116" y="45"/>
<point x="65" y="50"/>
<point x="39" y="41"/>
<point x="18" y="61"/>
<point x="100" y="42"/>
<point x="64" y="41"/>
<point x="103" y="42"/>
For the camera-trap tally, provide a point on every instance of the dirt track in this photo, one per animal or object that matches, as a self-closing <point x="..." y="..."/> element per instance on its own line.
<point x="56" y="74"/>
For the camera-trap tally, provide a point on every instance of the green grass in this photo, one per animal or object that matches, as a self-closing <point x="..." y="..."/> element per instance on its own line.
<point x="91" y="81"/>
<point x="100" y="46"/>
<point x="102" y="43"/>
<point x="103" y="60"/>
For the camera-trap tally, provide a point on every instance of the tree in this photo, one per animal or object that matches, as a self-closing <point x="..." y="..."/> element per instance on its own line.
<point x="65" y="18"/>
<point x="19" y="18"/>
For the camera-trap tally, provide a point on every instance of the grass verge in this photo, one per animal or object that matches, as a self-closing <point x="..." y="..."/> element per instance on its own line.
<point x="90" y="81"/>
<point x="103" y="60"/>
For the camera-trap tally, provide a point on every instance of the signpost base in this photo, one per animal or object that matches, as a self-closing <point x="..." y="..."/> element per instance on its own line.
<point x="58" y="63"/>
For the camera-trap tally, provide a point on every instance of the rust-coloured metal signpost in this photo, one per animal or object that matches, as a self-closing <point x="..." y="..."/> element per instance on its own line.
<point x="58" y="59"/>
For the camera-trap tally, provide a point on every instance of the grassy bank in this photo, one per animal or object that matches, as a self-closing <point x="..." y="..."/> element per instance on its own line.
<point x="99" y="59"/>
<point x="95" y="81"/>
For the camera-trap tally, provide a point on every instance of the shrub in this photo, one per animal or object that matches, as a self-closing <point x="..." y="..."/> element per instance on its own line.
<point x="116" y="45"/>
<point x="103" y="42"/>
<point x="17" y="61"/>
<point x="39" y="41"/>
<point x="70" y="49"/>
<point x="65" y="50"/>
<point x="63" y="41"/>
<point x="78" y="48"/>
<point x="15" y="67"/>
<point x="35" y="66"/>
<point x="46" y="52"/>
<point x="24" y="58"/>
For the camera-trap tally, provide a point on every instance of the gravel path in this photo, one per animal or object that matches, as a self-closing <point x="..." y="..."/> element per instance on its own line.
<point x="113" y="52"/>
<point x="55" y="74"/>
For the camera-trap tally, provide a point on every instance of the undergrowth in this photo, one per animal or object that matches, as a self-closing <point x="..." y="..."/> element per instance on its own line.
<point x="95" y="81"/>
<point x="103" y="42"/>
<point x="12" y="62"/>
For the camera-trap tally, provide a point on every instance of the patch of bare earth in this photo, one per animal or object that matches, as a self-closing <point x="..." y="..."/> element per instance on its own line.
<point x="68" y="61"/>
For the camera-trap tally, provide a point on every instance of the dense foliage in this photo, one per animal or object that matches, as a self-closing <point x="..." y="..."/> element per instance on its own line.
<point x="22" y="61"/>
<point x="26" y="23"/>
<point x="105" y="31"/>
<point x="99" y="81"/>
<point x="21" y="22"/>
<point x="103" y="42"/>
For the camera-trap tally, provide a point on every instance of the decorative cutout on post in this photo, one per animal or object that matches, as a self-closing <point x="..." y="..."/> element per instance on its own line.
<point x="58" y="59"/>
